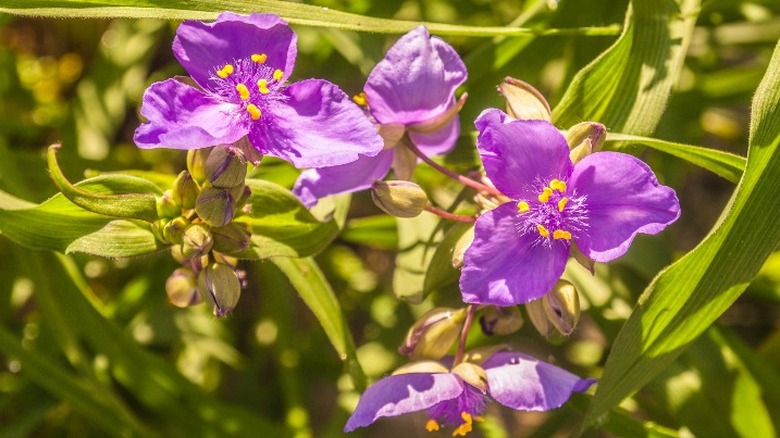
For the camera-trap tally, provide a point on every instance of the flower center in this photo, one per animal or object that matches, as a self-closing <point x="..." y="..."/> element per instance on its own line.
<point x="461" y="412"/>
<point x="249" y="83"/>
<point x="555" y="215"/>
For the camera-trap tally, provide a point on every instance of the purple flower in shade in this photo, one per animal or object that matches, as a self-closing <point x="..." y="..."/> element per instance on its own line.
<point x="412" y="90"/>
<point x="239" y="65"/>
<point x="520" y="248"/>
<point x="515" y="380"/>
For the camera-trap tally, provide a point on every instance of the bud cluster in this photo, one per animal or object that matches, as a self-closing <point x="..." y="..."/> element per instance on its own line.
<point x="196" y="218"/>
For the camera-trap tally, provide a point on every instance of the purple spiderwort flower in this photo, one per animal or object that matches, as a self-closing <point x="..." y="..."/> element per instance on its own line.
<point x="412" y="90"/>
<point x="239" y="65"/>
<point x="515" y="380"/>
<point x="521" y="247"/>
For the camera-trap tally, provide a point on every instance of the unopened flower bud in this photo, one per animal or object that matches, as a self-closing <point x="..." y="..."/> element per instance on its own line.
<point x="538" y="317"/>
<point x="472" y="374"/>
<point x="243" y="199"/>
<point x="182" y="288"/>
<point x="173" y="231"/>
<point x="584" y="139"/>
<point x="426" y="366"/>
<point x="463" y="243"/>
<point x="166" y="206"/>
<point x="216" y="206"/>
<point x="523" y="101"/>
<point x="196" y="163"/>
<point x="185" y="190"/>
<point x="232" y="238"/>
<point x="562" y="307"/>
<point x="399" y="198"/>
<point x="226" y="167"/>
<point x="432" y="336"/>
<point x="197" y="241"/>
<point x="219" y="286"/>
<point x="500" y="320"/>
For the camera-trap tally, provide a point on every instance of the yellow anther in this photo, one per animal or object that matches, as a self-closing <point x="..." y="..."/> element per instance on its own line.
<point x="225" y="71"/>
<point x="262" y="86"/>
<point x="560" y="234"/>
<point x="542" y="231"/>
<point x="562" y="203"/>
<point x="522" y="207"/>
<point x="278" y="75"/>
<point x="243" y="91"/>
<point x="360" y="99"/>
<point x="254" y="111"/>
<point x="259" y="57"/>
<point x="558" y="185"/>
<point x="431" y="425"/>
<point x="545" y="195"/>
<point x="464" y="428"/>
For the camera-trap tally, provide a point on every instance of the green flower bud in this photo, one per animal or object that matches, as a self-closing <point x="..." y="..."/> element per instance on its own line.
<point x="399" y="198"/>
<point x="216" y="206"/>
<point x="197" y="241"/>
<point x="226" y="167"/>
<point x="196" y="163"/>
<point x="538" y="317"/>
<point x="241" y="204"/>
<point x="562" y="307"/>
<point x="219" y="286"/>
<point x="463" y="243"/>
<point x="433" y="335"/>
<point x="232" y="238"/>
<point x="501" y="320"/>
<point x="472" y="374"/>
<point x="157" y="229"/>
<point x="182" y="288"/>
<point x="185" y="190"/>
<point x="584" y="139"/>
<point x="173" y="231"/>
<point x="166" y="206"/>
<point x="523" y="101"/>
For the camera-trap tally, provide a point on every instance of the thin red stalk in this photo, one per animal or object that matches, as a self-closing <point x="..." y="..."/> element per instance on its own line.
<point x="464" y="332"/>
<point x="451" y="216"/>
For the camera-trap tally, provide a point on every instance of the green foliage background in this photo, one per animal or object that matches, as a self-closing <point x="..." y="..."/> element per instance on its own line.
<point x="683" y="331"/>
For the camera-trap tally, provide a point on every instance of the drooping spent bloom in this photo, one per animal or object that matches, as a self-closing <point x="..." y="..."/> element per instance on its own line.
<point x="600" y="203"/>
<point x="239" y="65"/>
<point x="412" y="90"/>
<point x="452" y="399"/>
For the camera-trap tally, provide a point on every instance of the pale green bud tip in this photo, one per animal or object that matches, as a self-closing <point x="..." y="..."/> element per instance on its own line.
<point x="226" y="167"/>
<point x="173" y="231"/>
<point x="196" y="163"/>
<point x="233" y="238"/>
<point x="562" y="307"/>
<point x="182" y="288"/>
<point x="433" y="335"/>
<point x="399" y="198"/>
<point x="216" y="206"/>
<point x="166" y="206"/>
<point x="185" y="190"/>
<point x="472" y="374"/>
<point x="536" y="314"/>
<point x="584" y="139"/>
<point x="219" y="286"/>
<point x="196" y="241"/>
<point x="500" y="320"/>
<point x="523" y="101"/>
<point x="459" y="251"/>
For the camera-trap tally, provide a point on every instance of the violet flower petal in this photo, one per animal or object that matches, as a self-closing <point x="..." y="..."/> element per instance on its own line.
<point x="439" y="142"/>
<point x="401" y="394"/>
<point x="182" y="117"/>
<point x="522" y="382"/>
<point x="202" y="48"/>
<point x="316" y="125"/>
<point x="314" y="184"/>
<point x="503" y="267"/>
<point x="416" y="80"/>
<point x="623" y="198"/>
<point x="518" y="154"/>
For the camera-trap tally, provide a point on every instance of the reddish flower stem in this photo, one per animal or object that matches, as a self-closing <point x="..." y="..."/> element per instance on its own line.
<point x="464" y="332"/>
<point x="447" y="215"/>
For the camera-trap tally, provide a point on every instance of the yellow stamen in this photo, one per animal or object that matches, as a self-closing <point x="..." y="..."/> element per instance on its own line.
<point x="561" y="234"/>
<point x="360" y="99"/>
<point x="254" y="111"/>
<point x="558" y="185"/>
<point x="278" y="75"/>
<point x="225" y="71"/>
<point x="522" y="207"/>
<point x="259" y="57"/>
<point x="545" y="195"/>
<point x="542" y="231"/>
<point x="431" y="425"/>
<point x="562" y="203"/>
<point x="464" y="428"/>
<point x="243" y="91"/>
<point x="262" y="85"/>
